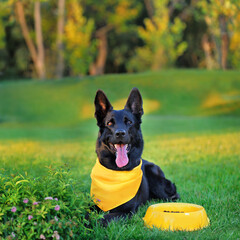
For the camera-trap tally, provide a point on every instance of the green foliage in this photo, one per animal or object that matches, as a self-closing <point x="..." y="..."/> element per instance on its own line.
<point x="234" y="42"/>
<point x="116" y="13"/>
<point x="211" y="12"/>
<point x="4" y="22"/>
<point x="49" y="206"/>
<point x="80" y="46"/>
<point x="126" y="41"/>
<point x="136" y="42"/>
<point x="22" y="58"/>
<point x="2" y="35"/>
<point x="162" y="41"/>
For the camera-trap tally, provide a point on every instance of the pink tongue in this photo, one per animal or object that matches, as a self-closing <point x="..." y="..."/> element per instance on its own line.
<point x="121" y="155"/>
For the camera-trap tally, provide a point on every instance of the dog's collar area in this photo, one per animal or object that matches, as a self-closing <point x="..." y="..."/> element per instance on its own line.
<point x="110" y="188"/>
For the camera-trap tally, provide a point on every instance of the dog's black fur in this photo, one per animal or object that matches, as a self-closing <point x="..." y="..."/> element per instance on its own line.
<point x="123" y="127"/>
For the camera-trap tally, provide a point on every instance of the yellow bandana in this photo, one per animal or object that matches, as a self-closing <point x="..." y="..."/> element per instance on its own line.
<point x="111" y="189"/>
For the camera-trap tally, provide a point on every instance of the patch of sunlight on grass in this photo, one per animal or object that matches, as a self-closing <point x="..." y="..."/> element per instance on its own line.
<point x="28" y="154"/>
<point x="20" y="147"/>
<point x="213" y="100"/>
<point x="217" y="103"/>
<point x="87" y="111"/>
<point x="149" y="106"/>
<point x="165" y="150"/>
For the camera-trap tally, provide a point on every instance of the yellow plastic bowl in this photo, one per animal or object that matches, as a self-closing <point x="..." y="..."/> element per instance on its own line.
<point x="176" y="217"/>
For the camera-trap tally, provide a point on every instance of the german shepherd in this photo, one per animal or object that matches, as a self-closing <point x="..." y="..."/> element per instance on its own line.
<point x="119" y="147"/>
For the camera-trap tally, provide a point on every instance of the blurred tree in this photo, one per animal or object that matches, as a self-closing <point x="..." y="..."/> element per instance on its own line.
<point x="162" y="39"/>
<point x="121" y="47"/>
<point x="37" y="53"/>
<point x="234" y="43"/>
<point x="80" y="47"/>
<point x="3" y="23"/>
<point x="108" y="15"/>
<point x="207" y="48"/>
<point x="220" y="17"/>
<point x="79" y="37"/>
<point x="60" y="32"/>
<point x="14" y="55"/>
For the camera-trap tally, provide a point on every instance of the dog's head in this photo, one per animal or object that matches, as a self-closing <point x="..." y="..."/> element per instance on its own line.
<point x="119" y="144"/>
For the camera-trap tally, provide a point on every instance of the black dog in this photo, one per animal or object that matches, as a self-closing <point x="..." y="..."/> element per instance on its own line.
<point x="119" y="148"/>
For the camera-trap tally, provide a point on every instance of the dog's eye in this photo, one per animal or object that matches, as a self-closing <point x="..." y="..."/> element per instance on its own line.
<point x="129" y="122"/>
<point x="110" y="123"/>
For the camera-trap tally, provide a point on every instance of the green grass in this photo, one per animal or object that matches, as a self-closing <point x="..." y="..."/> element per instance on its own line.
<point x="179" y="92"/>
<point x="193" y="133"/>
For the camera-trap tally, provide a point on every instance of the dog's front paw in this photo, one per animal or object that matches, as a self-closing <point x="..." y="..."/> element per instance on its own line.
<point x="175" y="197"/>
<point x="112" y="217"/>
<point x="104" y="222"/>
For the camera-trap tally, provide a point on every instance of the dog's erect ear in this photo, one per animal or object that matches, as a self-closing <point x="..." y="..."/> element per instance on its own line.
<point x="102" y="106"/>
<point x="134" y="103"/>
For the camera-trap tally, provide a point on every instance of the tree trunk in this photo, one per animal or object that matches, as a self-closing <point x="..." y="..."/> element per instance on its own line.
<point x="39" y="40"/>
<point x="150" y="8"/>
<point x="26" y="34"/>
<point x="98" y="67"/>
<point x="217" y="53"/>
<point x="60" y="47"/>
<point x="224" y="41"/>
<point x="207" y="50"/>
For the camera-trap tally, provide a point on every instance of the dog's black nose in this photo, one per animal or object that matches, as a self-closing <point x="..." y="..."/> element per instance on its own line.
<point x="120" y="133"/>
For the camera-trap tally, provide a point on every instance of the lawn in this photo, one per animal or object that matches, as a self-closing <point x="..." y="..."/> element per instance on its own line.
<point x="191" y="129"/>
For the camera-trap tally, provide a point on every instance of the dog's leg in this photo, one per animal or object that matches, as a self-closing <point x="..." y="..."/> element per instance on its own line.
<point x="159" y="186"/>
<point x="114" y="216"/>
